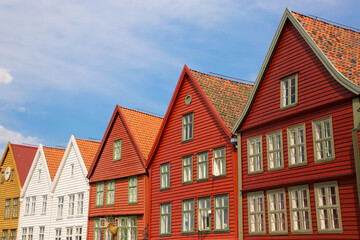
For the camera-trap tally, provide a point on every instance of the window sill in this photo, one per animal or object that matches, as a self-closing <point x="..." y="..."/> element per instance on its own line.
<point x="301" y="232"/>
<point x="202" y="180"/>
<point x="219" y="176"/>
<point x="59" y="218"/>
<point x="187" y="140"/>
<point x="278" y="233"/>
<point x="132" y="203"/>
<point x="222" y="231"/>
<point x="43" y="214"/>
<point x="204" y="232"/>
<point x="298" y="165"/>
<point x="255" y="172"/>
<point x="330" y="231"/>
<point x="289" y="106"/>
<point x="97" y="206"/>
<point x="186" y="183"/>
<point x="324" y="160"/>
<point x="187" y="233"/>
<point x="275" y="169"/>
<point x="79" y="215"/>
<point x="164" y="189"/>
<point x="164" y="234"/>
<point x="70" y="217"/>
<point x="109" y="205"/>
<point x="257" y="233"/>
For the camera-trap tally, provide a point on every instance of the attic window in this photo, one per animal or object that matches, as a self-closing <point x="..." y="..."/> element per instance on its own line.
<point x="117" y="150"/>
<point x="72" y="169"/>
<point x="39" y="176"/>
<point x="289" y="92"/>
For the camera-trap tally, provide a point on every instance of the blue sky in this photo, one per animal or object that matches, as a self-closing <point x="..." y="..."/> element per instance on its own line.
<point x="64" y="65"/>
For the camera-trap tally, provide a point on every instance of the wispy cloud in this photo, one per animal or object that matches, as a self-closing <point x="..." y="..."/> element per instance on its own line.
<point x="5" y="76"/>
<point x="7" y="135"/>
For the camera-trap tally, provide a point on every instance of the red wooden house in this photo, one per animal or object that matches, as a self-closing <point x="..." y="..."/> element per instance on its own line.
<point x="118" y="177"/>
<point x="192" y="167"/>
<point x="299" y="164"/>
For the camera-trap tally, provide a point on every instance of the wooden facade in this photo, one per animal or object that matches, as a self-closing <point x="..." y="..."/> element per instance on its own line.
<point x="326" y="184"/>
<point x="210" y="133"/>
<point x="136" y="133"/>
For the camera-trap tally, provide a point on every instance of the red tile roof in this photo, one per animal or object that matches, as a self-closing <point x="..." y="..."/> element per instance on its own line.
<point x="227" y="97"/>
<point x="144" y="127"/>
<point x="87" y="150"/>
<point x="340" y="45"/>
<point x="53" y="158"/>
<point x="24" y="156"/>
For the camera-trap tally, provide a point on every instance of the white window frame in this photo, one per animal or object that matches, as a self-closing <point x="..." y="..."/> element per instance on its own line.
<point x="7" y="208"/>
<point x="165" y="176"/>
<point x="23" y="233"/>
<point x="60" y="207"/>
<point x="255" y="214"/>
<point x="275" y="156"/>
<point x="286" y="93"/>
<point x="80" y="203"/>
<point x="188" y="127"/>
<point x="69" y="233"/>
<point x="188" y="216"/>
<point x="15" y="210"/>
<point x="71" y="206"/>
<point x="33" y="204"/>
<point x="321" y="142"/>
<point x="165" y="219"/>
<point x="27" y="205"/>
<point x="277" y="211"/>
<point x="219" y="162"/>
<point x="44" y="204"/>
<point x="255" y="157"/>
<point x="187" y="169"/>
<point x="42" y="233"/>
<point x="221" y="213"/>
<point x="78" y="233"/>
<point x="30" y="234"/>
<point x="295" y="147"/>
<point x="203" y="166"/>
<point x="204" y="214"/>
<point x="58" y="234"/>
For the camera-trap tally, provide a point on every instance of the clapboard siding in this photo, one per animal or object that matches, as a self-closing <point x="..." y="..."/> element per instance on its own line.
<point x="208" y="135"/>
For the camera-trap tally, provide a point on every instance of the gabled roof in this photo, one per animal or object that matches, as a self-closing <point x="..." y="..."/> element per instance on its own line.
<point x="88" y="150"/>
<point x="224" y="97"/>
<point x="336" y="47"/>
<point x="23" y="155"/>
<point x="53" y="158"/>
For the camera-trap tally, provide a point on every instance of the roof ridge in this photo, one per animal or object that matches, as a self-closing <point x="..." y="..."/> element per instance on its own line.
<point x="140" y="112"/>
<point x="233" y="81"/>
<point x="87" y="140"/>
<point x="55" y="148"/>
<point x="21" y="145"/>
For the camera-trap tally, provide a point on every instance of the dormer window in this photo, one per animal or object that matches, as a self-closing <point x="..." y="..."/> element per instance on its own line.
<point x="288" y="94"/>
<point x="117" y="149"/>
<point x="187" y="127"/>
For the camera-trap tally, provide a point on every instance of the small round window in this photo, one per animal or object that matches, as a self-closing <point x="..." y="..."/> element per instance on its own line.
<point x="188" y="99"/>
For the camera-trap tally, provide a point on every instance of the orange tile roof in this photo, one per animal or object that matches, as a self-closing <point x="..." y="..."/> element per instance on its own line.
<point x="144" y="128"/>
<point x="340" y="45"/>
<point x="88" y="150"/>
<point x="228" y="97"/>
<point x="53" y="158"/>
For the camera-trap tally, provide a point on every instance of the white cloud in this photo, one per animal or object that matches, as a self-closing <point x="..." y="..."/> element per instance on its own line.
<point x="5" y="76"/>
<point x="7" y="135"/>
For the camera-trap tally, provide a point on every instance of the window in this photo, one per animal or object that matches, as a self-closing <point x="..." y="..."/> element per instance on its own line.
<point x="58" y="234"/>
<point x="27" y="205"/>
<point x="188" y="215"/>
<point x="15" y="211"/>
<point x="30" y="233"/>
<point x="187" y="169"/>
<point x="277" y="211"/>
<point x="23" y="233"/>
<point x="165" y="219"/>
<point x="39" y="175"/>
<point x="12" y="175"/>
<point x="110" y="192"/>
<point x="78" y="233"/>
<point x="275" y="151"/>
<point x="4" y="234"/>
<point x="69" y="232"/>
<point x="71" y="209"/>
<point x="328" y="207"/>
<point x="72" y="169"/>
<point x="42" y="233"/>
<point x="107" y="234"/>
<point x="7" y="208"/>
<point x="97" y="229"/>
<point x="127" y="228"/>
<point x="2" y="177"/>
<point x="219" y="162"/>
<point x="133" y="186"/>
<point x="165" y="176"/>
<point x="33" y="204"/>
<point x="80" y="203"/>
<point x="300" y="214"/>
<point x="117" y="149"/>
<point x="203" y="166"/>
<point x="204" y="214"/>
<point x="323" y="140"/>
<point x="187" y="127"/>
<point x="99" y="194"/>
<point x="44" y="204"/>
<point x="256" y="213"/>
<point x="13" y="234"/>
<point x="60" y="207"/>
<point x="297" y="145"/>
<point x="221" y="208"/>
<point x="288" y="93"/>
<point x="255" y="155"/>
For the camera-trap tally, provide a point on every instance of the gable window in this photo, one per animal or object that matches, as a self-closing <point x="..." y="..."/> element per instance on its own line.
<point x="80" y="203"/>
<point x="256" y="212"/>
<point x="13" y="234"/>
<point x="323" y="140"/>
<point x="117" y="149"/>
<point x="328" y="207"/>
<point x="33" y="204"/>
<point x="219" y="162"/>
<point x="133" y="187"/>
<point x="99" y="194"/>
<point x="188" y="215"/>
<point x="71" y="209"/>
<point x="297" y="145"/>
<point x="58" y="234"/>
<point x="277" y="211"/>
<point x="39" y="175"/>
<point x="187" y="169"/>
<point x="165" y="219"/>
<point x="275" y="150"/>
<point x="27" y="205"/>
<point x="15" y="211"/>
<point x="97" y="229"/>
<point x="203" y="166"/>
<point x="127" y="228"/>
<point x="7" y="208"/>
<point x="288" y="95"/>
<point x="4" y="234"/>
<point x="300" y="214"/>
<point x="204" y="214"/>
<point x="2" y="177"/>
<point x="254" y="155"/>
<point x="78" y="233"/>
<point x="221" y="208"/>
<point x="110" y="192"/>
<point x="12" y="175"/>
<point x="165" y="176"/>
<point x="69" y="233"/>
<point x="188" y="127"/>
<point x="44" y="204"/>
<point x="42" y="233"/>
<point x="72" y="169"/>
<point x="60" y="207"/>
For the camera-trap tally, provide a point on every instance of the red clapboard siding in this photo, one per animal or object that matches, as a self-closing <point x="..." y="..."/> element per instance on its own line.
<point x="208" y="135"/>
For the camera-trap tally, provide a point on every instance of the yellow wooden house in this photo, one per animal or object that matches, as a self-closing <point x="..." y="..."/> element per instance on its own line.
<point x="14" y="167"/>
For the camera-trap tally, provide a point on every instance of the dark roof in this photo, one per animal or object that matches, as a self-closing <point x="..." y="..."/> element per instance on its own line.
<point x="340" y="45"/>
<point x="24" y="156"/>
<point x="227" y="97"/>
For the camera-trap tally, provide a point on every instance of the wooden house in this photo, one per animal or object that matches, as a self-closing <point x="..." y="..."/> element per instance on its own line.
<point x="14" y="167"/>
<point x="119" y="184"/>
<point x="298" y="137"/>
<point x="193" y="164"/>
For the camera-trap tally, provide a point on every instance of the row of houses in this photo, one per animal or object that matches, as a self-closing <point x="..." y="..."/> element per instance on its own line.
<point x="277" y="160"/>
